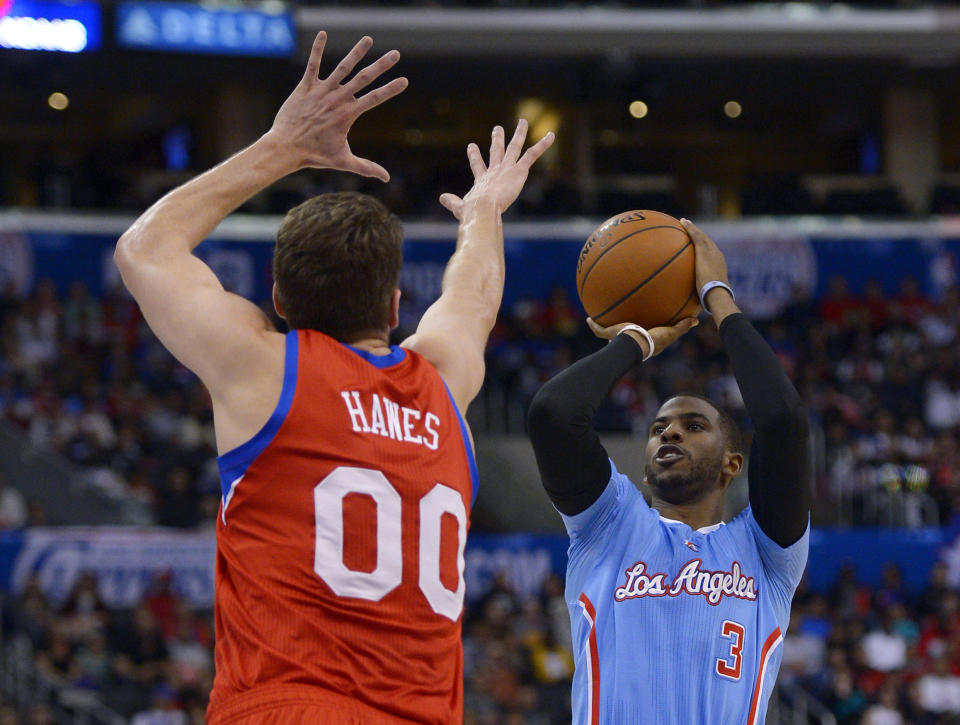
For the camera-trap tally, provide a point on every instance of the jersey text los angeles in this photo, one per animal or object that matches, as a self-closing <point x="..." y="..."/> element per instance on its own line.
<point x="673" y="625"/>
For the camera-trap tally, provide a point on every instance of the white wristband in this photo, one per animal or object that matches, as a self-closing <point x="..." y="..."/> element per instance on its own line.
<point x="647" y="336"/>
<point x="713" y="285"/>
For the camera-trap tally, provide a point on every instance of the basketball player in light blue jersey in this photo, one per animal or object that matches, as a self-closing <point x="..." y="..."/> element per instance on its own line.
<point x="677" y="617"/>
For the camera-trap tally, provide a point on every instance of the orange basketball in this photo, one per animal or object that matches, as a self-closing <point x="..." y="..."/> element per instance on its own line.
<point x="638" y="267"/>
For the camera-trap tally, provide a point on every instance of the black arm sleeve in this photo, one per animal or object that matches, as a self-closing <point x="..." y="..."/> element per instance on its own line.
<point x="574" y="466"/>
<point x="779" y="480"/>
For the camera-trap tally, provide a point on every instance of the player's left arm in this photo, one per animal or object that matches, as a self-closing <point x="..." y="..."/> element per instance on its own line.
<point x="212" y="332"/>
<point x="453" y="332"/>
<point x="779" y="481"/>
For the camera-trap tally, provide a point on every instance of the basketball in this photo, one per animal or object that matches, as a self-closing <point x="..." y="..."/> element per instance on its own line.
<point x="638" y="267"/>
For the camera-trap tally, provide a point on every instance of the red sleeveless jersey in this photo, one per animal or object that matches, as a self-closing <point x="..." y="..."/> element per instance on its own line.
<point x="339" y="578"/>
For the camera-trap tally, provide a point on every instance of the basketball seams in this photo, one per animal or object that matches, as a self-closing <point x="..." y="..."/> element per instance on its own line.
<point x="583" y="282"/>
<point x="673" y="319"/>
<point x="636" y="289"/>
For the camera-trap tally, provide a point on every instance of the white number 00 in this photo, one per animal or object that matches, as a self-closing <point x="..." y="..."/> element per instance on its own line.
<point x="328" y="563"/>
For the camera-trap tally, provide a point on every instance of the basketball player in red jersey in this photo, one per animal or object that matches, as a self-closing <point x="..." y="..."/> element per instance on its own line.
<point x="347" y="468"/>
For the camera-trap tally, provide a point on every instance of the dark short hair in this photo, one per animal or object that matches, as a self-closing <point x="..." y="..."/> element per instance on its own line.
<point x="336" y="264"/>
<point x="732" y="434"/>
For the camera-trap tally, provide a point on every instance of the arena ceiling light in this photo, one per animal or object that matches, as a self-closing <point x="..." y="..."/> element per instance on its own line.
<point x="58" y="101"/>
<point x="542" y="116"/>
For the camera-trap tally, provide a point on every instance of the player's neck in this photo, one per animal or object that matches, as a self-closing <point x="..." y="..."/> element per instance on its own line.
<point x="696" y="515"/>
<point x="374" y="344"/>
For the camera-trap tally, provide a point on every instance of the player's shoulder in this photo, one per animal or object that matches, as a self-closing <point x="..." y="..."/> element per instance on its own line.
<point x="739" y="534"/>
<point x="746" y="530"/>
<point x="622" y="492"/>
<point x="741" y="520"/>
<point x="604" y="518"/>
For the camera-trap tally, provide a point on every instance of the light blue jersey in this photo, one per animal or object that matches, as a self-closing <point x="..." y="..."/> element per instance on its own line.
<point x="673" y="626"/>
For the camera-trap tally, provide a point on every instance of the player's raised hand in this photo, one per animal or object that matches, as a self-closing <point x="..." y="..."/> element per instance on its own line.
<point x="711" y="265"/>
<point x="312" y="124"/>
<point x="504" y="177"/>
<point x="663" y="337"/>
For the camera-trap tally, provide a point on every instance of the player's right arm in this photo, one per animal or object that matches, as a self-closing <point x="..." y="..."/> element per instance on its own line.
<point x="226" y="340"/>
<point x="453" y="332"/>
<point x="574" y="467"/>
<point x="778" y="474"/>
<point x="211" y="331"/>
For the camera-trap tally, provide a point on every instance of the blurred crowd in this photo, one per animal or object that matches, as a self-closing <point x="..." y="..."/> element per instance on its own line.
<point x="85" y="378"/>
<point x="878" y="656"/>
<point x="872" y="656"/>
<point x="153" y="663"/>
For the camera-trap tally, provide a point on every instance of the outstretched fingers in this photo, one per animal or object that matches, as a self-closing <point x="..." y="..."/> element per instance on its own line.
<point x="372" y="72"/>
<point x="312" y="71"/>
<point x="496" y="146"/>
<point x="365" y="167"/>
<point x="379" y="95"/>
<point x="516" y="143"/>
<point x="452" y="203"/>
<point x="536" y="151"/>
<point x="476" y="160"/>
<point x="350" y="60"/>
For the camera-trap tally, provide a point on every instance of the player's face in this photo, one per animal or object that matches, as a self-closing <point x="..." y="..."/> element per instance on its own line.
<point x="685" y="450"/>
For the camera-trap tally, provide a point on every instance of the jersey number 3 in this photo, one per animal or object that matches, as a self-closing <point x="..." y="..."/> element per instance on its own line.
<point x="730" y="666"/>
<point x="328" y="496"/>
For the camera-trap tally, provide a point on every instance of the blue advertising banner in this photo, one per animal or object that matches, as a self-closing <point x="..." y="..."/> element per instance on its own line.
<point x="126" y="560"/>
<point x="523" y="561"/>
<point x="189" y="28"/>
<point x="70" y="27"/>
<point x="869" y="550"/>
<point x="766" y="271"/>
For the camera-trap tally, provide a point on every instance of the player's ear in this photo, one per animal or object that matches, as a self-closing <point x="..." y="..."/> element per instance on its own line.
<point x="395" y="309"/>
<point x="277" y="305"/>
<point x="732" y="464"/>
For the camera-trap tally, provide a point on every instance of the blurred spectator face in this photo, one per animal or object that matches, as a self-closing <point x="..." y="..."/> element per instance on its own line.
<point x="554" y="586"/>
<point x="86" y="594"/>
<point x="143" y="621"/>
<point x="46" y="294"/>
<point x="843" y="684"/>
<point x="892" y="578"/>
<point x="838" y="287"/>
<point x="938" y="575"/>
<point x="909" y="287"/>
<point x="950" y="605"/>
<point x="914" y="429"/>
<point x="40" y="715"/>
<point x="837" y="658"/>
<point x="885" y="422"/>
